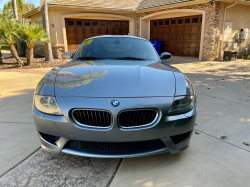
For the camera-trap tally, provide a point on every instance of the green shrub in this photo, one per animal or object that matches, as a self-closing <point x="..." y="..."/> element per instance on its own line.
<point x="39" y="65"/>
<point x="23" y="45"/>
<point x="5" y="47"/>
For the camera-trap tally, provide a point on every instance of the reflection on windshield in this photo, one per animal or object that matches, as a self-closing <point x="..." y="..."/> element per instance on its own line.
<point x="122" y="48"/>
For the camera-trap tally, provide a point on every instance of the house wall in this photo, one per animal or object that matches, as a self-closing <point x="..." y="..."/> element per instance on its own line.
<point x="209" y="35"/>
<point x="239" y="16"/>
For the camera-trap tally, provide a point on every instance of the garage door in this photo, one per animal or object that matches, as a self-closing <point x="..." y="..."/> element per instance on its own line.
<point x="180" y="36"/>
<point x="78" y="30"/>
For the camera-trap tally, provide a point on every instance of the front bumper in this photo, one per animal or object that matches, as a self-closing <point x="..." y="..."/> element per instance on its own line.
<point x="64" y="129"/>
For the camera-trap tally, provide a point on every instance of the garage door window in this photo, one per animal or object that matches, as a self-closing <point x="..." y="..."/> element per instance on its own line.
<point x="195" y="20"/>
<point x="70" y="23"/>
<point x="123" y="24"/>
<point x="95" y="23"/>
<point x="117" y="24"/>
<point x="155" y="23"/>
<point x="109" y="24"/>
<point x="102" y="24"/>
<point x="87" y="23"/>
<point x="79" y="23"/>
<point x="187" y="20"/>
<point x="166" y="22"/>
<point x="172" y="22"/>
<point x="180" y="21"/>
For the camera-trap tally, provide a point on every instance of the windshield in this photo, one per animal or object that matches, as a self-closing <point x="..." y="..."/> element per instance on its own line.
<point x="117" y="48"/>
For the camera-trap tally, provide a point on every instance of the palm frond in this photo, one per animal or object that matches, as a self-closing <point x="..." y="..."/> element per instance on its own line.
<point x="8" y="30"/>
<point x="32" y="33"/>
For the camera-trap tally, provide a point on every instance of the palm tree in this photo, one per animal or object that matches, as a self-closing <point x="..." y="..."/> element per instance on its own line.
<point x="48" y="48"/>
<point x="18" y="43"/>
<point x="21" y="6"/>
<point x="8" y="31"/>
<point x="4" y="15"/>
<point x="30" y="34"/>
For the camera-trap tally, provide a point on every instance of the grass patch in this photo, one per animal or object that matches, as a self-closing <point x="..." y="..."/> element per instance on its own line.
<point x="5" y="47"/>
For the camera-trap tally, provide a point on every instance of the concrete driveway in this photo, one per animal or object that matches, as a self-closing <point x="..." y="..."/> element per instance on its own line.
<point x="223" y="90"/>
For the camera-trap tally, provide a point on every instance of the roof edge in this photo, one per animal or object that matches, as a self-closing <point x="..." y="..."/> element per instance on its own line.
<point x="171" y="5"/>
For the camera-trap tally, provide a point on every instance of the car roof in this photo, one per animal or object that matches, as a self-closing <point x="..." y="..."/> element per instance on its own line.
<point x="118" y="36"/>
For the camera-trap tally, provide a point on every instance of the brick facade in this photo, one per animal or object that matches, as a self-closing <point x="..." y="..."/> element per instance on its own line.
<point x="210" y="41"/>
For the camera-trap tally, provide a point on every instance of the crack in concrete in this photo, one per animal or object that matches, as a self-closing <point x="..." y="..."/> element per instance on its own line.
<point x="222" y="140"/>
<point x="16" y="122"/>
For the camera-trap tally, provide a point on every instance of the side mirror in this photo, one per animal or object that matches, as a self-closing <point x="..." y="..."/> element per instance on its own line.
<point x="165" y="55"/>
<point x="67" y="55"/>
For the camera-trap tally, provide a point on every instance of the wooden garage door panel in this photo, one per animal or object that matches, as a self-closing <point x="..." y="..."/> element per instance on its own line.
<point x="80" y="38"/>
<point x="172" y="30"/>
<point x="186" y="29"/>
<point x="166" y="30"/>
<point x="154" y="37"/>
<point x="194" y="37"/>
<point x="178" y="44"/>
<point x="193" y="45"/>
<point x="195" y="29"/>
<point x="161" y="37"/>
<point x="77" y="30"/>
<point x="71" y="31"/>
<point x="180" y="36"/>
<point x="179" y="29"/>
<point x="160" y="30"/>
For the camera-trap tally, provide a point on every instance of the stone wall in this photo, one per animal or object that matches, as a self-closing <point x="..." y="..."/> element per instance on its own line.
<point x="210" y="42"/>
<point x="56" y="51"/>
<point x="39" y="50"/>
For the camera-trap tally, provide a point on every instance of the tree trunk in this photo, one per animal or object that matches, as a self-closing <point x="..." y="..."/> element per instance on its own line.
<point x="1" y="56"/>
<point x="19" y="47"/>
<point x="29" y="54"/>
<point x="48" y="48"/>
<point x="14" y="54"/>
<point x="14" y="9"/>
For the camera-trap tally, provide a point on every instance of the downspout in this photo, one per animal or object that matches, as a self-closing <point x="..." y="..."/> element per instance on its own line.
<point x="223" y="27"/>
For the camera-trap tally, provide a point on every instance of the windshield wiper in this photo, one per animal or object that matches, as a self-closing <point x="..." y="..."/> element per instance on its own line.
<point x="128" y="58"/>
<point x="89" y="58"/>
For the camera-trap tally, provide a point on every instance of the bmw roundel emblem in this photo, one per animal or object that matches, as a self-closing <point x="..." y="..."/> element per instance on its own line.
<point x="115" y="103"/>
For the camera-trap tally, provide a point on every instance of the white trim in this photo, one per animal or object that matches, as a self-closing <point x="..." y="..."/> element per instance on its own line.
<point x="100" y="16"/>
<point x="167" y="12"/>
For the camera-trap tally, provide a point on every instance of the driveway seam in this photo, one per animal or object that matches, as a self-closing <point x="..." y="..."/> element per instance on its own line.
<point x="20" y="162"/>
<point x="119" y="166"/>
<point x="16" y="122"/>
<point x="222" y="140"/>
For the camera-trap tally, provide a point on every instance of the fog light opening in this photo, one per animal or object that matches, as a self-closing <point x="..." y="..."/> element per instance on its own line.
<point x="49" y="138"/>
<point x="179" y="138"/>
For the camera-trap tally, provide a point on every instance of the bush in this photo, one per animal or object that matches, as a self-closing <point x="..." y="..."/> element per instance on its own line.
<point x="39" y="65"/>
<point x="23" y="45"/>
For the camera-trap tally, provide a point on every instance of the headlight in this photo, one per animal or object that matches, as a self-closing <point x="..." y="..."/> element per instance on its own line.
<point x="47" y="104"/>
<point x="182" y="105"/>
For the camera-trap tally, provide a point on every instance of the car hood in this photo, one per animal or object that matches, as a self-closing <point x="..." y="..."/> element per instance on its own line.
<point x="115" y="78"/>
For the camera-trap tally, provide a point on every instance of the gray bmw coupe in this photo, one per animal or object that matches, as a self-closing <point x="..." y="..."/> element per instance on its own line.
<point x="116" y="98"/>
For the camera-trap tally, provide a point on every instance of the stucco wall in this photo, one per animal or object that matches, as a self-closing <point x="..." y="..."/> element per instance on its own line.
<point x="239" y="15"/>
